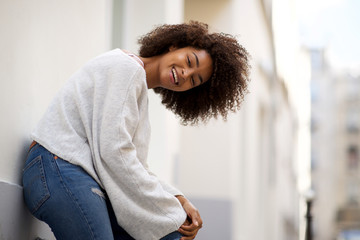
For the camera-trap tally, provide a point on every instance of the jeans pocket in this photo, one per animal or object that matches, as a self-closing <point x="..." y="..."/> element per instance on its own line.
<point x="36" y="191"/>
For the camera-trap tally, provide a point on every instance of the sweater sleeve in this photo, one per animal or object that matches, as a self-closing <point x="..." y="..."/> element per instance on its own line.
<point x="167" y="187"/>
<point x="142" y="206"/>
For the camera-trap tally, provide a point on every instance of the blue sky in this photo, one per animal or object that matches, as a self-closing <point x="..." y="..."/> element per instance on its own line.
<point x="334" y="24"/>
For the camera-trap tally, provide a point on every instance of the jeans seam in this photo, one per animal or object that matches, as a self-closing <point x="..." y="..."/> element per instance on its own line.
<point x="45" y="196"/>
<point x="78" y="205"/>
<point x="31" y="163"/>
<point x="31" y="150"/>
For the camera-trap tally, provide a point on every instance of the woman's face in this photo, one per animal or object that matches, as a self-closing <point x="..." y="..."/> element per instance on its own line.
<point x="184" y="68"/>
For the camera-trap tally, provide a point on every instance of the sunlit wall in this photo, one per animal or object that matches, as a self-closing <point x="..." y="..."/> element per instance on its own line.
<point x="42" y="43"/>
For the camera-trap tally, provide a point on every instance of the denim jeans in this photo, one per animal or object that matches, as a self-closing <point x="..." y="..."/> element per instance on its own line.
<point x="69" y="200"/>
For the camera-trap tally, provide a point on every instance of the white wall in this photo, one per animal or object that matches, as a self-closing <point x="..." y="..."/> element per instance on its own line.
<point x="228" y="161"/>
<point x="241" y="162"/>
<point x="42" y="43"/>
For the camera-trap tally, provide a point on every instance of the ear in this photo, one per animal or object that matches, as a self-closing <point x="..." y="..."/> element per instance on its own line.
<point x="172" y="48"/>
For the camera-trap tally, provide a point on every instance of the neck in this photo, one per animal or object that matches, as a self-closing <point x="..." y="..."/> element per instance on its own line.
<point x="151" y="66"/>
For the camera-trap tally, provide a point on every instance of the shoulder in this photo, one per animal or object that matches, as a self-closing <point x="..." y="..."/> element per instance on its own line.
<point x="116" y="65"/>
<point x="116" y="58"/>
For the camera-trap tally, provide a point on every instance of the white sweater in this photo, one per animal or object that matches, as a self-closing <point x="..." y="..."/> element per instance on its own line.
<point x="99" y="121"/>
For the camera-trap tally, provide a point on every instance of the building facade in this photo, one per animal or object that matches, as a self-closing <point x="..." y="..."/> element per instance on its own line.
<point x="335" y="146"/>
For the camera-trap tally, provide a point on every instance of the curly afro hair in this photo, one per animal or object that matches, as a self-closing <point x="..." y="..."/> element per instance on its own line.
<point x="225" y="89"/>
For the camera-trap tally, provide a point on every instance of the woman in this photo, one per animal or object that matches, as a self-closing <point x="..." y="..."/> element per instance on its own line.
<point x="86" y="174"/>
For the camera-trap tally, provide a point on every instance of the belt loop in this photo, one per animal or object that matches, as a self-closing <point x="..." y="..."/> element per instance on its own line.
<point x="32" y="145"/>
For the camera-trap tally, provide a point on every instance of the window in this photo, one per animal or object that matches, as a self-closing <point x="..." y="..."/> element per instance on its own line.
<point x="353" y="157"/>
<point x="352" y="193"/>
<point x="352" y="120"/>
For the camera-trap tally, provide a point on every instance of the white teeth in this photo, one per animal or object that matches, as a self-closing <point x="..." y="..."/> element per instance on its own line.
<point x="175" y="76"/>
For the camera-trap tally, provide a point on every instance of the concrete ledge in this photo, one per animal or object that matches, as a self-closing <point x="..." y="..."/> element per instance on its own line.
<point x="16" y="223"/>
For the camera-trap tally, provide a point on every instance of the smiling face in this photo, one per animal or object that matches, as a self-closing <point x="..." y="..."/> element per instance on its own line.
<point x="184" y="68"/>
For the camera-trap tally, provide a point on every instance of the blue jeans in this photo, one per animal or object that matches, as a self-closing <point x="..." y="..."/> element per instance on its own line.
<point x="69" y="200"/>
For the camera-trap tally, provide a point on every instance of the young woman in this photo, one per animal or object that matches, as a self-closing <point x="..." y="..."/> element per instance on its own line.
<point x="86" y="173"/>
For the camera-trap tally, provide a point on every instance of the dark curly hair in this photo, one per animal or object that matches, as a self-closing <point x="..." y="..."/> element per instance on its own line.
<point x="225" y="89"/>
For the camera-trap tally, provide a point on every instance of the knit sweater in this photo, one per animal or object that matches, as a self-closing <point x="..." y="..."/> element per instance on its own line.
<point x="99" y="121"/>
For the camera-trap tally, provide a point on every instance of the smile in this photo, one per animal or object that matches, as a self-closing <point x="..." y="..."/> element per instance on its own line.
<point x="175" y="76"/>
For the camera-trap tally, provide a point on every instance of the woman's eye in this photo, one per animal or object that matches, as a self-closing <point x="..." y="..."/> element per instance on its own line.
<point x="189" y="62"/>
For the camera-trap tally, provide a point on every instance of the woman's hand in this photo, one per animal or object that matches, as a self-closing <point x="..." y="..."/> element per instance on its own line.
<point x="193" y="222"/>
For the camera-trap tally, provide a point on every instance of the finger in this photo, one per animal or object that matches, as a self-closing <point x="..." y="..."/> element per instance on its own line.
<point x="186" y="223"/>
<point x="192" y="236"/>
<point x="187" y="238"/>
<point x="190" y="227"/>
<point x="195" y="217"/>
<point x="188" y="233"/>
<point x="196" y="221"/>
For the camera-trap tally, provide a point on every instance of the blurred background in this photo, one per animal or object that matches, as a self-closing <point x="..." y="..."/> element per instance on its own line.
<point x="250" y="177"/>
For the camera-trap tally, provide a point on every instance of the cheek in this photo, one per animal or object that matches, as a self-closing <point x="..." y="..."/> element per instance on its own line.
<point x="164" y="74"/>
<point x="185" y="87"/>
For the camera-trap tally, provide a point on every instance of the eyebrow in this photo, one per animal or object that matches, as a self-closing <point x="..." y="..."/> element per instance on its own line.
<point x="197" y="64"/>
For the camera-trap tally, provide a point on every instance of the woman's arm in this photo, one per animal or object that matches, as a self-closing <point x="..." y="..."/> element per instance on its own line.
<point x="193" y="222"/>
